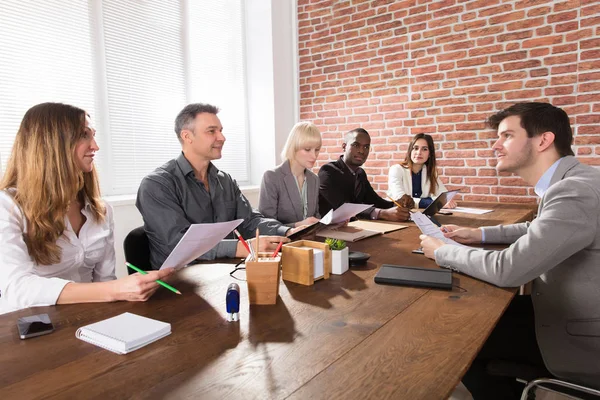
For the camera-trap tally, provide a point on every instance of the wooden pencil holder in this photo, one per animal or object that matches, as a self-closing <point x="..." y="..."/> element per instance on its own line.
<point x="263" y="278"/>
<point x="297" y="263"/>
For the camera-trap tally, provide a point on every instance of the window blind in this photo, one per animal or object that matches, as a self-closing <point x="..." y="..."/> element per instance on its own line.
<point x="145" y="86"/>
<point x="46" y="55"/>
<point x="133" y="66"/>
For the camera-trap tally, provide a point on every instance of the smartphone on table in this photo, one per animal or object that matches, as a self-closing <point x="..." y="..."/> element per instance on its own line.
<point x="34" y="325"/>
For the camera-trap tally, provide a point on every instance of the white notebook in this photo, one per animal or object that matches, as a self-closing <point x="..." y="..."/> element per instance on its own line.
<point x="124" y="333"/>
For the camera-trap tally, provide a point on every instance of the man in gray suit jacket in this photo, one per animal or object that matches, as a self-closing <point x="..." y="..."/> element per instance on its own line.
<point x="559" y="251"/>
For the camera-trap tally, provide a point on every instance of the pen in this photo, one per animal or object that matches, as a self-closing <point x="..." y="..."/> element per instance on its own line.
<point x="277" y="250"/>
<point x="164" y="284"/>
<point x="395" y="202"/>
<point x="241" y="239"/>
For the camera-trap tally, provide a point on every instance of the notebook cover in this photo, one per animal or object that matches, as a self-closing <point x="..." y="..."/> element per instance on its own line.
<point x="124" y="333"/>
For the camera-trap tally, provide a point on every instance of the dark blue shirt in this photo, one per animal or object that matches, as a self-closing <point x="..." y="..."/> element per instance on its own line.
<point x="417" y="190"/>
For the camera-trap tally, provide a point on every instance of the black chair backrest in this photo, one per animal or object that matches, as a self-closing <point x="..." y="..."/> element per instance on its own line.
<point x="137" y="249"/>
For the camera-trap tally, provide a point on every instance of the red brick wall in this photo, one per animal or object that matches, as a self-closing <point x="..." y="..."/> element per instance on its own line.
<point x="398" y="68"/>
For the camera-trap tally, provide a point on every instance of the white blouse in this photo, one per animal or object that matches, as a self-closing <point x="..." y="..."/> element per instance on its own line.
<point x="87" y="258"/>
<point x="400" y="183"/>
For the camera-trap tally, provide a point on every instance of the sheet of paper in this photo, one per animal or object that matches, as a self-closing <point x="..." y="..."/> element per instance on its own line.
<point x="318" y="261"/>
<point x="468" y="210"/>
<point x="344" y="213"/>
<point x="430" y="229"/>
<point x="198" y="239"/>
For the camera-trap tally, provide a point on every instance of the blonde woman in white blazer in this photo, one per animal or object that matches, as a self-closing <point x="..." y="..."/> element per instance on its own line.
<point x="417" y="174"/>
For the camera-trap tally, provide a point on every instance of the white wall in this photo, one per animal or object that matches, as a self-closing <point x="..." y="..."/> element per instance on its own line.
<point x="272" y="68"/>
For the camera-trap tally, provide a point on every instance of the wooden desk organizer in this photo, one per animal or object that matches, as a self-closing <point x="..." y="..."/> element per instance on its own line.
<point x="298" y="264"/>
<point x="263" y="277"/>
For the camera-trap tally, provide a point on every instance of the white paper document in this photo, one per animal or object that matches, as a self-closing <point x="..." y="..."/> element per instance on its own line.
<point x="198" y="239"/>
<point x="430" y="229"/>
<point x="344" y="213"/>
<point x="468" y="210"/>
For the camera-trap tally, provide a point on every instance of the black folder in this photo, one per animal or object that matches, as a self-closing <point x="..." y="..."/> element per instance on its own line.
<point x="414" y="276"/>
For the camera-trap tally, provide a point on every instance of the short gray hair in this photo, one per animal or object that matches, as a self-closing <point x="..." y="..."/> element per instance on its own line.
<point x="185" y="118"/>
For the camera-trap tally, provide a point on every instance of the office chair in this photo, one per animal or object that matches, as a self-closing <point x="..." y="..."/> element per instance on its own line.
<point x="568" y="389"/>
<point x="529" y="376"/>
<point x="137" y="249"/>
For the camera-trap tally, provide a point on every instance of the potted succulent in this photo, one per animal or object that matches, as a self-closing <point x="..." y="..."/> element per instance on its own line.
<point x="339" y="255"/>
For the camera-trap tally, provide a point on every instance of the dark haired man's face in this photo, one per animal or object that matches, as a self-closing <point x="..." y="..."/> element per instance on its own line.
<point x="356" y="150"/>
<point x="514" y="150"/>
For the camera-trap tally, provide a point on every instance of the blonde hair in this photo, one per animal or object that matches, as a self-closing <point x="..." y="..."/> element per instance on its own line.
<point x="44" y="173"/>
<point x="303" y="134"/>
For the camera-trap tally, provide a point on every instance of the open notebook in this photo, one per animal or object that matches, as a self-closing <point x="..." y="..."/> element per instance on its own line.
<point x="124" y="333"/>
<point x="361" y="229"/>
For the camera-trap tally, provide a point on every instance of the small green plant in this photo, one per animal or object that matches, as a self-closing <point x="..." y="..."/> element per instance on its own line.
<point x="335" y="244"/>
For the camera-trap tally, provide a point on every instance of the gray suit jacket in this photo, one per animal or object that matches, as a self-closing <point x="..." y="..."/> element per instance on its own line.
<point x="280" y="198"/>
<point x="560" y="252"/>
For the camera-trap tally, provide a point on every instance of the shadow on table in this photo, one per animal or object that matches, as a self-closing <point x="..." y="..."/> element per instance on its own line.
<point x="271" y="324"/>
<point x="322" y="291"/>
<point x="200" y="335"/>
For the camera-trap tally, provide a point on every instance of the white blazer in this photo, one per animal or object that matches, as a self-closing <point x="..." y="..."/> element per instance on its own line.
<point x="400" y="183"/>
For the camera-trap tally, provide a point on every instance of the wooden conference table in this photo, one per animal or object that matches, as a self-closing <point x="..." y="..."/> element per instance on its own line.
<point x="345" y="337"/>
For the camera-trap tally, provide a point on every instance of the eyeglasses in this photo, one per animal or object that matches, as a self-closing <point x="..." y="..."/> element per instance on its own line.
<point x="238" y="268"/>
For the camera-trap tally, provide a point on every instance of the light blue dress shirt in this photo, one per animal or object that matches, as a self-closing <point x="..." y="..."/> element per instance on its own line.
<point x="540" y="187"/>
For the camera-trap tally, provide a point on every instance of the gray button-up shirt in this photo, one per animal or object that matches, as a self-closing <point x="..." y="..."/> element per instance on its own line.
<point x="171" y="198"/>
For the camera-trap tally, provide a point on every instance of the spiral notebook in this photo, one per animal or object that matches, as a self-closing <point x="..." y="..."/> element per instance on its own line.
<point x="124" y="333"/>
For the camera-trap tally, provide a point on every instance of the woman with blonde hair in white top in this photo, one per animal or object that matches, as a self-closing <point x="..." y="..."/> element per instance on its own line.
<point x="55" y="230"/>
<point x="417" y="175"/>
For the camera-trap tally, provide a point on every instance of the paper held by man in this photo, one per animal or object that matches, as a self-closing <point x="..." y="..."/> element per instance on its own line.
<point x="198" y="239"/>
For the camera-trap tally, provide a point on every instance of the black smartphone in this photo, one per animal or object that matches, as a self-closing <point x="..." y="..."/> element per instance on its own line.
<point x="35" y="325"/>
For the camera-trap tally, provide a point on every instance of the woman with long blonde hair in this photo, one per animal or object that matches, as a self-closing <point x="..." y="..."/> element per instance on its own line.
<point x="55" y="230"/>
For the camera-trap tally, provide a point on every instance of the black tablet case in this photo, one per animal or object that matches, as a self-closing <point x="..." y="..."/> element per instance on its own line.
<point x="414" y="276"/>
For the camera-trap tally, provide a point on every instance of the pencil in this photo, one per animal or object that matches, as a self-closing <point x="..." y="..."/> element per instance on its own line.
<point x="164" y="284"/>
<point x="241" y="239"/>
<point x="257" y="244"/>
<point x="395" y="202"/>
<point x="277" y="250"/>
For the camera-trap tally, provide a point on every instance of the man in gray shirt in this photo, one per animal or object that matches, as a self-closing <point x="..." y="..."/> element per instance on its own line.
<point x="191" y="190"/>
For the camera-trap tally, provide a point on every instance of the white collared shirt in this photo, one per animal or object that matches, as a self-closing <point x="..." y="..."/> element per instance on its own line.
<point x="87" y="258"/>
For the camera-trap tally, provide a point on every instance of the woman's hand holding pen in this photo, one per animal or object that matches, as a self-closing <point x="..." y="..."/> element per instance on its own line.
<point x="462" y="234"/>
<point x="138" y="287"/>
